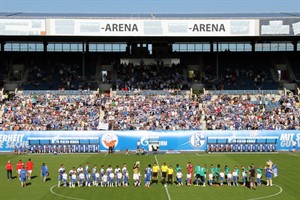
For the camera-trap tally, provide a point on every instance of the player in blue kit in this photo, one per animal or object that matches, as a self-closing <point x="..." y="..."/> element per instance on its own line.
<point x="61" y="171"/>
<point x="86" y="170"/>
<point x="23" y="174"/>
<point x="44" y="172"/>
<point x="94" y="171"/>
<point x="148" y="173"/>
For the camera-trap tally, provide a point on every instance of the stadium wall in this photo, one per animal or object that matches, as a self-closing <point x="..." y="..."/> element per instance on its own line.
<point x="271" y="140"/>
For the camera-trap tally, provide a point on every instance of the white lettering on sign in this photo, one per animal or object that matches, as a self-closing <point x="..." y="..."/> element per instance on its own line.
<point x="286" y="139"/>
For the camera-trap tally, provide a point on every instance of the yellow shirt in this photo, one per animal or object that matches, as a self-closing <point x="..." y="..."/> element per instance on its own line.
<point x="155" y="168"/>
<point x="170" y="171"/>
<point x="164" y="168"/>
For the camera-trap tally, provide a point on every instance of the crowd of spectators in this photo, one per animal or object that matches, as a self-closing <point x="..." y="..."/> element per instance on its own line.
<point x="150" y="77"/>
<point x="201" y="113"/>
<point x="150" y="112"/>
<point x="50" y="112"/>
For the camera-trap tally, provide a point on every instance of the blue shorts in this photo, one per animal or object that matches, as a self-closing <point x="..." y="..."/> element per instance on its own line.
<point x="23" y="179"/>
<point x="44" y="174"/>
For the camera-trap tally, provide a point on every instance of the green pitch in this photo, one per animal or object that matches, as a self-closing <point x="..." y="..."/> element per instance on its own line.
<point x="287" y="184"/>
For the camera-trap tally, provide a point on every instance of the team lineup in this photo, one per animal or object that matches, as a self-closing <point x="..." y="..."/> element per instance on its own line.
<point x="200" y="175"/>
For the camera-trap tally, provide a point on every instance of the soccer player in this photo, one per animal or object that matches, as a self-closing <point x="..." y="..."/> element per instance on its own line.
<point x="97" y="179"/>
<point x="20" y="166"/>
<point x="79" y="169"/>
<point x="126" y="179"/>
<point x="119" y="178"/>
<point x="124" y="171"/>
<point x="23" y="175"/>
<point x="170" y="174"/>
<point x="252" y="176"/>
<point x="65" y="179"/>
<point x="148" y="173"/>
<point x="29" y="168"/>
<point x="189" y="168"/>
<point x="198" y="172"/>
<point x="86" y="169"/>
<point x="155" y="170"/>
<point x="217" y="173"/>
<point x="61" y="171"/>
<point x="80" y="179"/>
<point x="212" y="170"/>
<point x="109" y="170"/>
<point x="164" y="170"/>
<point x="44" y="172"/>
<point x="9" y="169"/>
<point x="178" y="168"/>
<point x="111" y="179"/>
<point x="222" y="176"/>
<point x="88" y="179"/>
<point x="94" y="171"/>
<point x="227" y="169"/>
<point x="203" y="175"/>
<point x="235" y="178"/>
<point x="73" y="179"/>
<point x="179" y="178"/>
<point x="116" y="171"/>
<point x="210" y="178"/>
<point x="102" y="171"/>
<point x="71" y="172"/>
<point x="244" y="176"/>
<point x="104" y="180"/>
<point x="229" y="177"/>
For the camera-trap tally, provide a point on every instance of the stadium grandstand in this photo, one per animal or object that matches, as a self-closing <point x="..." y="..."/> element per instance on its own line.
<point x="150" y="72"/>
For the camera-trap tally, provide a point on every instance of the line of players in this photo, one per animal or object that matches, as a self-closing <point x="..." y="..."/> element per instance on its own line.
<point x="109" y="177"/>
<point x="84" y="176"/>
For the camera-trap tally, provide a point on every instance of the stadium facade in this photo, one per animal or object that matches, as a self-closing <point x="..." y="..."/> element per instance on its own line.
<point x="190" y="38"/>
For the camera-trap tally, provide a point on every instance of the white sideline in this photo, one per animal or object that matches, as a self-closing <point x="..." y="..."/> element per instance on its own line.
<point x="51" y="190"/>
<point x="166" y="188"/>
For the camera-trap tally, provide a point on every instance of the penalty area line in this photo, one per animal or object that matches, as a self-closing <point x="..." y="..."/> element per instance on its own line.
<point x="60" y="195"/>
<point x="272" y="195"/>
<point x="166" y="189"/>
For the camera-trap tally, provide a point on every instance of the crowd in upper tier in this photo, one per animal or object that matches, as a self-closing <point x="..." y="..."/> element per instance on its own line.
<point x="149" y="112"/>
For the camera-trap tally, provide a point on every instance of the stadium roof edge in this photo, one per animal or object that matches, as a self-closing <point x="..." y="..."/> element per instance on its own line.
<point x="21" y="15"/>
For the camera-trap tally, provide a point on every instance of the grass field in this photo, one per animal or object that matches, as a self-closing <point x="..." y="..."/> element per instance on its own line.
<point x="287" y="184"/>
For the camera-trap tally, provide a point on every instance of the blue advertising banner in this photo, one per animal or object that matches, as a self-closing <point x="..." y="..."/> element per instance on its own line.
<point x="284" y="140"/>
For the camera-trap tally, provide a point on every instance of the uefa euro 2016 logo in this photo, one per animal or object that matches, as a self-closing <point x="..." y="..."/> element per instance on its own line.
<point x="109" y="139"/>
<point x="197" y="140"/>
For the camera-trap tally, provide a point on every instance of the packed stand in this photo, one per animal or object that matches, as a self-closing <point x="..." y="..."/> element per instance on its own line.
<point x="202" y="113"/>
<point x="150" y="77"/>
<point x="150" y="112"/>
<point x="50" y="112"/>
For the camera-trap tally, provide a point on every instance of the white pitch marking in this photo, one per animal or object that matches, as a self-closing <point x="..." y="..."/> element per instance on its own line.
<point x="51" y="190"/>
<point x="272" y="195"/>
<point x="169" y="197"/>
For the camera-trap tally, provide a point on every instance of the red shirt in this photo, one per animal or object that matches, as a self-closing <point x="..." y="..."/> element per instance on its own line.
<point x="190" y="168"/>
<point x="8" y="166"/>
<point x="20" y="165"/>
<point x="29" y="165"/>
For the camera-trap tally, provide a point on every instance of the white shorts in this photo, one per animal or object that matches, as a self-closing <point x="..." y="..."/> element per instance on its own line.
<point x="136" y="177"/>
<point x="29" y="171"/>
<point x="19" y="171"/>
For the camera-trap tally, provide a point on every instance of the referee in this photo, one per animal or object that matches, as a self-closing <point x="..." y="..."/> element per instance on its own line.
<point x="164" y="170"/>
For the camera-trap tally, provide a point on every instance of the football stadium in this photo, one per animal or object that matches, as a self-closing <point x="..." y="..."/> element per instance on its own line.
<point x="149" y="106"/>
